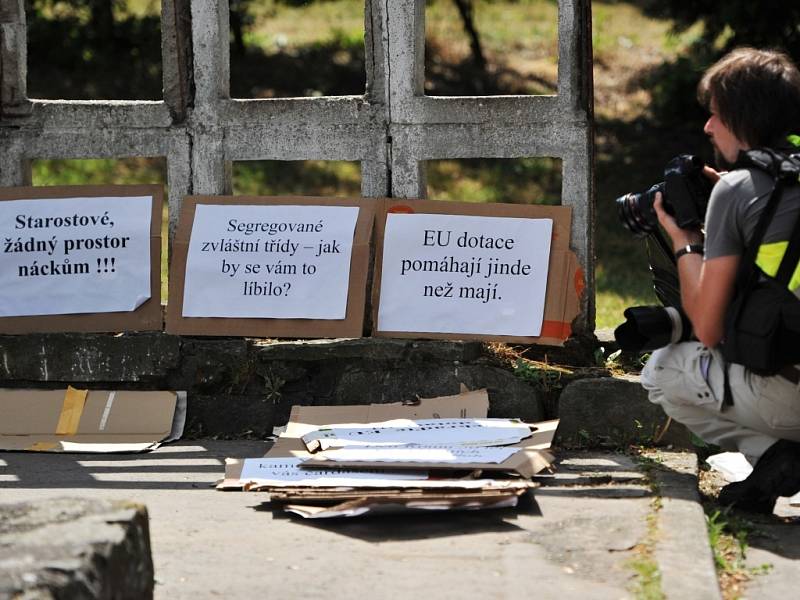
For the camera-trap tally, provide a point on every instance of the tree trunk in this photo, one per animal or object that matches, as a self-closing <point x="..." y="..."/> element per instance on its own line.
<point x="102" y="18"/>
<point x="466" y="10"/>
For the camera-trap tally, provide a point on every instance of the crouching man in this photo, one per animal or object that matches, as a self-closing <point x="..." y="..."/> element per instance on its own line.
<point x="754" y="100"/>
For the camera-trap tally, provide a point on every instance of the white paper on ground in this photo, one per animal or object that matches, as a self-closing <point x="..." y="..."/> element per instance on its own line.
<point x="448" y="432"/>
<point x="453" y="455"/>
<point x="732" y="465"/>
<point x="74" y="255"/>
<point x="275" y="261"/>
<point x="464" y="274"/>
<point x="286" y="472"/>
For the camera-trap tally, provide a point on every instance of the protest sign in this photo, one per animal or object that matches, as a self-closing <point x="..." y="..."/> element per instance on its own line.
<point x="491" y="272"/>
<point x="92" y="253"/>
<point x="279" y="267"/>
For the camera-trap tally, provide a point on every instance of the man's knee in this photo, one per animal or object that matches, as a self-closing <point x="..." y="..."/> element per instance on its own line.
<point x="672" y="377"/>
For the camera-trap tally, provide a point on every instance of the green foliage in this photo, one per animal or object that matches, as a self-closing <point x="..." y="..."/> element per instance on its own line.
<point x="727" y="25"/>
<point x="103" y="52"/>
<point x="513" y="181"/>
<point x="722" y="26"/>
<point x="543" y="376"/>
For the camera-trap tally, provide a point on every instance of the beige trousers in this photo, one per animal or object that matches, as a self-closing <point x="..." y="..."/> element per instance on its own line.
<point x="764" y="409"/>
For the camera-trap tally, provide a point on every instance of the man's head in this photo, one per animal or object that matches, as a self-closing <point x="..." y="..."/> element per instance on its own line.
<point x="754" y="99"/>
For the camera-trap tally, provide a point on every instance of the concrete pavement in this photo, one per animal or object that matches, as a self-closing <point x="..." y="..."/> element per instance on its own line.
<point x="586" y="533"/>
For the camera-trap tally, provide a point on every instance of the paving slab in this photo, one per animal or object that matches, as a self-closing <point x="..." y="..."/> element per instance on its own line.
<point x="575" y="538"/>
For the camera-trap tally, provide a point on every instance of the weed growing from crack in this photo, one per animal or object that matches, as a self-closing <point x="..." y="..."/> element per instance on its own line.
<point x="727" y="534"/>
<point x="647" y="582"/>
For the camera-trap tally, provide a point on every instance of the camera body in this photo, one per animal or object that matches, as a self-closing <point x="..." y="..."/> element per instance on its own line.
<point x="685" y="191"/>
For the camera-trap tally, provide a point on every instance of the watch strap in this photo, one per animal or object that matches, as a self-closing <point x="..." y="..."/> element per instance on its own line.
<point x="689" y="249"/>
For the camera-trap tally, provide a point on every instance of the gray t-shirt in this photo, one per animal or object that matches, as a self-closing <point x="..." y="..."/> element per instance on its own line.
<point x="735" y="205"/>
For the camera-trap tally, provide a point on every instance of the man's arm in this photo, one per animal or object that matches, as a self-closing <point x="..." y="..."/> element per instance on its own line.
<point x="706" y="292"/>
<point x="706" y="286"/>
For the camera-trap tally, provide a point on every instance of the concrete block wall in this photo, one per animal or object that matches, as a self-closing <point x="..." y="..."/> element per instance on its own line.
<point x="392" y="129"/>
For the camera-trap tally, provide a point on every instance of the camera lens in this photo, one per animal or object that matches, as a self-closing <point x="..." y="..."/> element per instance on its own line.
<point x="637" y="213"/>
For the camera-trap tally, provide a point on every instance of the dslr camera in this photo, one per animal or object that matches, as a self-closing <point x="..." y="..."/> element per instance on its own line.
<point x="685" y="192"/>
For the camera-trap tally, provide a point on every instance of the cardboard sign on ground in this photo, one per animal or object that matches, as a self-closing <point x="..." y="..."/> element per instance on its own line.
<point x="532" y="456"/>
<point x="38" y="248"/>
<point x="442" y="291"/>
<point x="75" y="420"/>
<point x="272" y="258"/>
<point x="304" y="419"/>
<point x="398" y="503"/>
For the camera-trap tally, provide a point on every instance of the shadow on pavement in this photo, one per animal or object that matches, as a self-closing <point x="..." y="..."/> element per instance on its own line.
<point x="182" y="466"/>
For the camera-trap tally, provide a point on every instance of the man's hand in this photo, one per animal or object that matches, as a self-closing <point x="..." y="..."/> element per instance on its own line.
<point x="712" y="174"/>
<point x="680" y="237"/>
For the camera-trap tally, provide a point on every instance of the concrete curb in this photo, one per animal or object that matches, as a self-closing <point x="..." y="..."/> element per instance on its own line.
<point x="683" y="552"/>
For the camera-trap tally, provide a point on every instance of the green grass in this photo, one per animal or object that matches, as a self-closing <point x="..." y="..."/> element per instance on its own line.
<point x="728" y="535"/>
<point x="513" y="181"/>
<point x="299" y="178"/>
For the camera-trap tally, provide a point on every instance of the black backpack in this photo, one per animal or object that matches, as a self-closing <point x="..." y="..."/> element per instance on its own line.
<point x="762" y="324"/>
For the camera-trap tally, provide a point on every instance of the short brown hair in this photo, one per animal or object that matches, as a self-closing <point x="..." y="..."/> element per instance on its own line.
<point x="757" y="95"/>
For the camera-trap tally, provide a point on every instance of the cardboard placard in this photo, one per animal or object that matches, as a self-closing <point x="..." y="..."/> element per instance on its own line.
<point x="75" y="420"/>
<point x="564" y="276"/>
<point x="146" y="317"/>
<point x="352" y="325"/>
<point x="532" y="456"/>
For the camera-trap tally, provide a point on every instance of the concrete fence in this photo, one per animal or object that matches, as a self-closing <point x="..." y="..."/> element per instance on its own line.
<point x="392" y="129"/>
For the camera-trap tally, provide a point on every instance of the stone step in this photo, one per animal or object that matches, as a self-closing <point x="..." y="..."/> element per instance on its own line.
<point x="75" y="548"/>
<point x="240" y="387"/>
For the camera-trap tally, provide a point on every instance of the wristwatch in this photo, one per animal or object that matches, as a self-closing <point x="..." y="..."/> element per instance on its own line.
<point x="689" y="249"/>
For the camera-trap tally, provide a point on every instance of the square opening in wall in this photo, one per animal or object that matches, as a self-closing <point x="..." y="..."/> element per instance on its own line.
<point x="491" y="47"/>
<point x="297" y="48"/>
<point x="111" y="171"/>
<point x="507" y="180"/>
<point x="297" y="178"/>
<point x="94" y="49"/>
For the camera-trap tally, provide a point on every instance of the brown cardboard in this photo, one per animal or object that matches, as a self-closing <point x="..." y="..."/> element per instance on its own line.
<point x="399" y="503"/>
<point x="532" y="458"/>
<point x="565" y="280"/>
<point x="323" y="495"/>
<point x="473" y="404"/>
<point x="351" y="326"/>
<point x="146" y="317"/>
<point x="89" y="420"/>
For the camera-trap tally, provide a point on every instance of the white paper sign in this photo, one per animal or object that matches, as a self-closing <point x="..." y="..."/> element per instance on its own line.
<point x="286" y="472"/>
<point x="277" y="261"/>
<point x="74" y="255"/>
<point x="464" y="274"/>
<point x="427" y="432"/>
<point x="451" y="455"/>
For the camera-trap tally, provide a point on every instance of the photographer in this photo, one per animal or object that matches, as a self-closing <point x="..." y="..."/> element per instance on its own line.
<point x="754" y="100"/>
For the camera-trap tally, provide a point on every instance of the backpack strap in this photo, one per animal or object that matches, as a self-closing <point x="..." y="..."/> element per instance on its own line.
<point x="791" y="256"/>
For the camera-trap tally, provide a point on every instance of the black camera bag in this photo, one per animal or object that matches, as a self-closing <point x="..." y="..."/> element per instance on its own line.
<point x="762" y="325"/>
